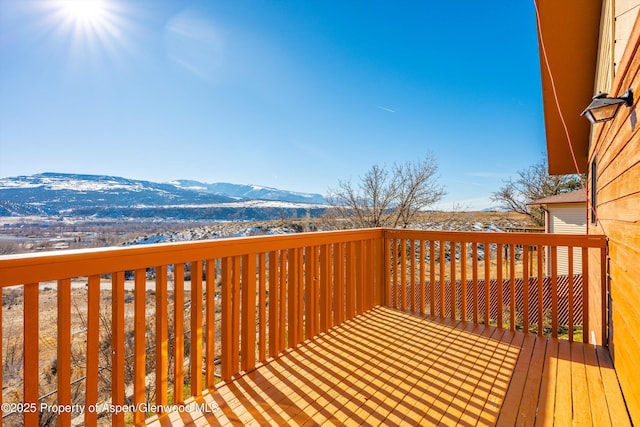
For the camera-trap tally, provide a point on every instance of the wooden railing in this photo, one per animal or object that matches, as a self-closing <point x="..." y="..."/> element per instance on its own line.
<point x="506" y="279"/>
<point x="264" y="295"/>
<point x="141" y="328"/>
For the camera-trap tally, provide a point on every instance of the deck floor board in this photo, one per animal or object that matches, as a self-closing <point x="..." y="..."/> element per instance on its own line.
<point x="388" y="367"/>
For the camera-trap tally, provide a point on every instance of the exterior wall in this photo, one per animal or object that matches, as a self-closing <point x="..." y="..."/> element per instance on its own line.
<point x="568" y="219"/>
<point x="615" y="148"/>
<point x="606" y="47"/>
<point x="618" y="17"/>
<point x="625" y="12"/>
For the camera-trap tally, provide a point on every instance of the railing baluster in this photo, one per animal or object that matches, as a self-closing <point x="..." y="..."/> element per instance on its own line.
<point x="311" y="310"/>
<point x="525" y="288"/>
<point x="585" y="296"/>
<point x="570" y="292"/>
<point x="31" y="336"/>
<point x="93" y="346"/>
<point x="196" y="328"/>
<point x="282" y="301"/>
<point x="359" y="288"/>
<point x="554" y="291"/>
<point x="117" y="346"/>
<point x="351" y="277"/>
<point x="248" y="340"/>
<point x="293" y="301"/>
<point x="366" y="283"/>
<point x="432" y="277"/>
<point x="474" y="281"/>
<point x="329" y="285"/>
<point x="370" y="270"/>
<point x="210" y="301"/>
<point x="161" y="335"/>
<point x="324" y="284"/>
<point x="139" y="351"/>
<point x="604" y="297"/>
<point x="463" y="279"/>
<point x="178" y="328"/>
<point x="487" y="283"/>
<point x="540" y="291"/>
<point x="442" y="277"/>
<point x="403" y="274"/>
<point x="412" y="275"/>
<point x="262" y="307"/>
<point x="339" y="283"/>
<point x="235" y="314"/>
<point x="227" y="321"/>
<point x="300" y="300"/>
<point x="423" y="277"/>
<point x="453" y="285"/>
<point x="388" y="254"/>
<point x="274" y="302"/>
<point x="393" y="274"/>
<point x="63" y="363"/>
<point x="512" y="283"/>
<point x="315" y="291"/>
<point x="500" y="291"/>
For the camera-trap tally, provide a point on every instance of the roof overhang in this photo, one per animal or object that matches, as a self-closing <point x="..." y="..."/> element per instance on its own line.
<point x="569" y="31"/>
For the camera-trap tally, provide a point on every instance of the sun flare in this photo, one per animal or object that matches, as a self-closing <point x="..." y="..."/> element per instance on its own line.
<point x="83" y="11"/>
<point x="89" y="26"/>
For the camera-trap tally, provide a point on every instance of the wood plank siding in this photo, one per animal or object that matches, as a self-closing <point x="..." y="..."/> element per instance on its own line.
<point x="394" y="368"/>
<point x="615" y="150"/>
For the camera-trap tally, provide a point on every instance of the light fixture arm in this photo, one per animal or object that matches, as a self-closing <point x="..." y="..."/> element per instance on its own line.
<point x="604" y="108"/>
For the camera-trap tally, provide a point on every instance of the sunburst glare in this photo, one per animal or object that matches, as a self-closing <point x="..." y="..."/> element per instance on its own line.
<point x="84" y="12"/>
<point x="89" y="25"/>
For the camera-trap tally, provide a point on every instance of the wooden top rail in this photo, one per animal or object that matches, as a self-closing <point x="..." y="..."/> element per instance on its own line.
<point x="577" y="240"/>
<point x="21" y="269"/>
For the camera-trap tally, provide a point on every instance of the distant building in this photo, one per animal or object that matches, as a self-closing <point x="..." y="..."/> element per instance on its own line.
<point x="565" y="213"/>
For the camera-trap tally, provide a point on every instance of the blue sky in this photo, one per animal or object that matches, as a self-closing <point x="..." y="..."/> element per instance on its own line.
<point x="289" y="94"/>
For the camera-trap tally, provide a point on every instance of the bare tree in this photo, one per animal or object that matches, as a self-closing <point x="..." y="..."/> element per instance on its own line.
<point x="384" y="198"/>
<point x="533" y="183"/>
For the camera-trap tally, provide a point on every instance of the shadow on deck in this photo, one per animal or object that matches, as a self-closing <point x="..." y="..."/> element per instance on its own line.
<point x="390" y="367"/>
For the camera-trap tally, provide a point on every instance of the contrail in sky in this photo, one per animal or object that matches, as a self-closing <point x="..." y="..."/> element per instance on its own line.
<point x="386" y="109"/>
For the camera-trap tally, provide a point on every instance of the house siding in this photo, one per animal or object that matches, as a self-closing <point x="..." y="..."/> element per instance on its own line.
<point x="568" y="219"/>
<point x="615" y="147"/>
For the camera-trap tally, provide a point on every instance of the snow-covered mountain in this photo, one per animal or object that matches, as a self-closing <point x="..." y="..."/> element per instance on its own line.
<point x="249" y="192"/>
<point x="110" y="196"/>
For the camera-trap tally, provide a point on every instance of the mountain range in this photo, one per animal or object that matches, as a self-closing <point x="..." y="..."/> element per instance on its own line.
<point x="74" y="195"/>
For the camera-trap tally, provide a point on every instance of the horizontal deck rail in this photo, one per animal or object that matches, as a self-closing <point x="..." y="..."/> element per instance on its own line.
<point x="148" y="326"/>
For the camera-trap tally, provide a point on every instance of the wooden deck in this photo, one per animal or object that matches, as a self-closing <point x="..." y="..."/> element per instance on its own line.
<point x="390" y="367"/>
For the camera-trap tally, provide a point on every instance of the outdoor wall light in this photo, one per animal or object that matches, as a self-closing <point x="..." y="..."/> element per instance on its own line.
<point x="603" y="108"/>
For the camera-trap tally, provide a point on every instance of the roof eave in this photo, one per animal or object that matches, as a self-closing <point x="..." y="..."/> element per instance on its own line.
<point x="568" y="43"/>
